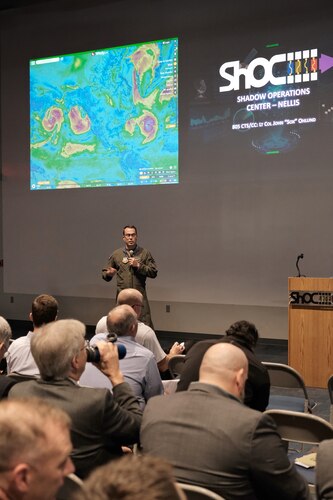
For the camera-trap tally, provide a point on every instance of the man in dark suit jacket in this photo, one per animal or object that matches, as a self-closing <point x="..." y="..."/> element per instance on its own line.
<point x="101" y="422"/>
<point x="213" y="440"/>
<point x="245" y="336"/>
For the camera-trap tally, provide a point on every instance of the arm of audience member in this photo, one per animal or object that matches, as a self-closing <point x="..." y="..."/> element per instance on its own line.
<point x="109" y="365"/>
<point x="175" y="349"/>
<point x="122" y="416"/>
<point x="109" y="362"/>
<point x="272" y="474"/>
<point x="150" y="341"/>
<point x="154" y="386"/>
<point x="191" y="367"/>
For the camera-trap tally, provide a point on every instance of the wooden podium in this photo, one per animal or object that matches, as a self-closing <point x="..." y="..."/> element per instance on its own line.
<point x="310" y="320"/>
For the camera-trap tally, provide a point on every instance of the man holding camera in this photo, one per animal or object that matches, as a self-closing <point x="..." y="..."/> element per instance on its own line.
<point x="138" y="366"/>
<point x="101" y="422"/>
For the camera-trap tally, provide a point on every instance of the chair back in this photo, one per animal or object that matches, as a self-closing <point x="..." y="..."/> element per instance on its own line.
<point x="193" y="492"/>
<point x="284" y="376"/>
<point x="301" y="427"/>
<point x="176" y="365"/>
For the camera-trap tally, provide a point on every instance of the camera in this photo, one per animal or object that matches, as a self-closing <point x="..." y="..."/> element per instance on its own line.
<point x="93" y="354"/>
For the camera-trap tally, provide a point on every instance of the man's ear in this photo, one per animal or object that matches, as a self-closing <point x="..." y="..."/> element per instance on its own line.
<point x="20" y="477"/>
<point x="75" y="362"/>
<point x="240" y="378"/>
<point x="30" y="317"/>
<point x="134" y="329"/>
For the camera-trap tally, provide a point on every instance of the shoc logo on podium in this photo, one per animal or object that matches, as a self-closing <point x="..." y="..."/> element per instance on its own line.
<point x="310" y="298"/>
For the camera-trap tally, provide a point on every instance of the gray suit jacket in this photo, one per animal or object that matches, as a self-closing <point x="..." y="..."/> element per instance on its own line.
<point x="324" y="473"/>
<point x="215" y="441"/>
<point x="101" y="422"/>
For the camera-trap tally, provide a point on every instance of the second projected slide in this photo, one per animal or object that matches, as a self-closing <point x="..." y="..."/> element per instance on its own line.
<point x="105" y="118"/>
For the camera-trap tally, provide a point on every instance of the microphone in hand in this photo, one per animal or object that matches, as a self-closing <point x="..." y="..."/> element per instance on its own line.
<point x="130" y="253"/>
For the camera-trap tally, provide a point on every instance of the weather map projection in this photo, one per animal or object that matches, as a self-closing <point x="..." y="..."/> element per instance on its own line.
<point x="107" y="117"/>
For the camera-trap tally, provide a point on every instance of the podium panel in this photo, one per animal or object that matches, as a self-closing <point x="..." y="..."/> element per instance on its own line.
<point x="310" y="322"/>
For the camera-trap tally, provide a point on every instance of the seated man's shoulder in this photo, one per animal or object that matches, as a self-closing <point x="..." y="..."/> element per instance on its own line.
<point x="98" y="337"/>
<point x="22" y="389"/>
<point x="101" y="326"/>
<point x="145" y="334"/>
<point x="143" y="351"/>
<point x="21" y="341"/>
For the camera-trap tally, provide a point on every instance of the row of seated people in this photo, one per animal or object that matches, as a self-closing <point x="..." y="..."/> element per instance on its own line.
<point x="143" y="352"/>
<point x="211" y="438"/>
<point x="145" y="359"/>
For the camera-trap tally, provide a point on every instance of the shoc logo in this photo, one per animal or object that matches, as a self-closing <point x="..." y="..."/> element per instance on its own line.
<point x="310" y="298"/>
<point x="300" y="66"/>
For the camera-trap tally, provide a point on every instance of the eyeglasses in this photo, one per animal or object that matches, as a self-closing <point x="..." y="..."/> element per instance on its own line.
<point x="129" y="235"/>
<point x="85" y="345"/>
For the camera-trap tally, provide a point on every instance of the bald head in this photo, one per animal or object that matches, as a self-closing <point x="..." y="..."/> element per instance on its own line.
<point x="129" y="296"/>
<point x="122" y="320"/>
<point x="226" y="366"/>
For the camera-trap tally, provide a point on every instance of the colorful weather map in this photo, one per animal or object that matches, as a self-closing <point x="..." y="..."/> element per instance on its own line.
<point x="105" y="118"/>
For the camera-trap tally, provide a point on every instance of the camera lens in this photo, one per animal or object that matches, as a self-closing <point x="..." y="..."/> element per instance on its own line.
<point x="93" y="355"/>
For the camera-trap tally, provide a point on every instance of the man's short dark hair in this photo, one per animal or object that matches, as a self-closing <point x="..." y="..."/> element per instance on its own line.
<point x="244" y="331"/>
<point x="130" y="227"/>
<point x="44" y="309"/>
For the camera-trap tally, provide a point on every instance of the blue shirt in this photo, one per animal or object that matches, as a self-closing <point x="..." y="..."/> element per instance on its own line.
<point x="139" y="368"/>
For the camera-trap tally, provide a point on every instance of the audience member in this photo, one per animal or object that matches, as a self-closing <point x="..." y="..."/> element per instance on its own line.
<point x="245" y="336"/>
<point x="34" y="450"/>
<point x="101" y="422"/>
<point x="139" y="365"/>
<point x="133" y="477"/>
<point x="324" y="477"/>
<point x="5" y="335"/>
<point x="145" y="334"/>
<point x="44" y="309"/>
<point x="215" y="441"/>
